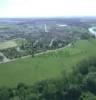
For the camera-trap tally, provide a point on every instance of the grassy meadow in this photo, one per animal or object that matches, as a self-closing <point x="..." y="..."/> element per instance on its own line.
<point x="46" y="66"/>
<point x="7" y="44"/>
<point x="11" y="43"/>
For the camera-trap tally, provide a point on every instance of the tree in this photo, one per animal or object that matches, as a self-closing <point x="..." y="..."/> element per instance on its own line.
<point x="73" y="92"/>
<point x="4" y="94"/>
<point x="87" y="96"/>
<point x="21" y="91"/>
<point x="90" y="82"/>
<point x="1" y="58"/>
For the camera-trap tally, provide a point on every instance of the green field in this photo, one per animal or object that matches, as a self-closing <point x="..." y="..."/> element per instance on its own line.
<point x="11" y="43"/>
<point x="7" y="44"/>
<point x="46" y="66"/>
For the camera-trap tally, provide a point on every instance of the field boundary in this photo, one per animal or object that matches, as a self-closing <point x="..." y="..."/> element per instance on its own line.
<point x="45" y="52"/>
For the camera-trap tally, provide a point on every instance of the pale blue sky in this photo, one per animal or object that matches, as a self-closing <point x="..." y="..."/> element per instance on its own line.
<point x="47" y="8"/>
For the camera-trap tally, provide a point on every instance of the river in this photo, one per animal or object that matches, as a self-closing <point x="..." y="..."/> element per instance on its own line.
<point x="92" y="30"/>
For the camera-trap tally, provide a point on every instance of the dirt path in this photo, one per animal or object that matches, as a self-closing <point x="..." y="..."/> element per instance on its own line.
<point x="53" y="50"/>
<point x="7" y="60"/>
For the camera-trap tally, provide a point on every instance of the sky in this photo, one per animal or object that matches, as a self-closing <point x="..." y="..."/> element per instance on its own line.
<point x="47" y="8"/>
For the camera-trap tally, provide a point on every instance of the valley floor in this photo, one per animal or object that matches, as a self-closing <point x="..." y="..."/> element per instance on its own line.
<point x="46" y="65"/>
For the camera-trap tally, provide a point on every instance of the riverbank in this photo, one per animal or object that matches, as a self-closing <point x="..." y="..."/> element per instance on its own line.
<point x="92" y="30"/>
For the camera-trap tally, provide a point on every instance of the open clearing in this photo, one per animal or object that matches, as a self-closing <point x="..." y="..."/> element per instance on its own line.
<point x="46" y="66"/>
<point x="7" y="44"/>
<point x="11" y="43"/>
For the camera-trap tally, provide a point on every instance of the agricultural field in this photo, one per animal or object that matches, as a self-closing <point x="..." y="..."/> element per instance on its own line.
<point x="7" y="44"/>
<point x="47" y="65"/>
<point x="11" y="43"/>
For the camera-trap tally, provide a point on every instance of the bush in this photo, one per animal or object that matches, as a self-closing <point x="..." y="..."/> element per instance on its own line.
<point x="90" y="82"/>
<point x="1" y="58"/>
